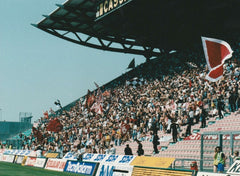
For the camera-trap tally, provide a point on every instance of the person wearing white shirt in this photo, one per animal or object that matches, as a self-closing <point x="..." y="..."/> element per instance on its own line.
<point x="112" y="150"/>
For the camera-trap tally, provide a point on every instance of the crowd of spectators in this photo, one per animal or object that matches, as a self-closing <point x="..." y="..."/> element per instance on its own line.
<point x="172" y="92"/>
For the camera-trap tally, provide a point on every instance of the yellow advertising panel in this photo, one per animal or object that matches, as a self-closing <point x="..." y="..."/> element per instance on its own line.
<point x="138" y="171"/>
<point x="147" y="161"/>
<point x="52" y="155"/>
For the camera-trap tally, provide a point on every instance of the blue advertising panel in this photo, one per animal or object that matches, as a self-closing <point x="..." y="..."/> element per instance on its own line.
<point x="88" y="156"/>
<point x="114" y="170"/>
<point x="99" y="158"/>
<point x="111" y="158"/>
<point x="70" y="156"/>
<point x="126" y="159"/>
<point x="85" y="168"/>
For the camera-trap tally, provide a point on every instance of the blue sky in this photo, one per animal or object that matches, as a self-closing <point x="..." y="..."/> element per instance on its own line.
<point x="37" y="68"/>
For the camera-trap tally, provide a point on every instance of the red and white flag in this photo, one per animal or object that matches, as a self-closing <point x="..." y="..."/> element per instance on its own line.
<point x="97" y="108"/>
<point x="99" y="96"/>
<point x="216" y="52"/>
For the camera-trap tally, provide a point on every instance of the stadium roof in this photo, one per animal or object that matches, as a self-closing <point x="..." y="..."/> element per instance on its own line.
<point x="141" y="26"/>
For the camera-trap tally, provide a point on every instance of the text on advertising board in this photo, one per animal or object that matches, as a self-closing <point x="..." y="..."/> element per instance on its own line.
<point x="114" y="170"/>
<point x="80" y="167"/>
<point x="108" y="5"/>
<point x="106" y="170"/>
<point x="235" y="168"/>
<point x="55" y="164"/>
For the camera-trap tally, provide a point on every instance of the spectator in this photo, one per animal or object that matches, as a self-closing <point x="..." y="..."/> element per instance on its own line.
<point x="174" y="129"/>
<point x="112" y="150"/>
<point x="150" y="106"/>
<point x="203" y="114"/>
<point x="140" y="150"/>
<point x="235" y="156"/>
<point x="155" y="143"/>
<point x="128" y="150"/>
<point x="39" y="151"/>
<point x="220" y="106"/>
<point x="219" y="160"/>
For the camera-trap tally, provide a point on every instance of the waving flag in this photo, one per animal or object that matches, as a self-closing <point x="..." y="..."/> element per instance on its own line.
<point x="90" y="98"/>
<point x="37" y="134"/>
<point x="125" y="128"/>
<point x="97" y="106"/>
<point x="216" y="52"/>
<point x="54" y="125"/>
<point x="99" y="96"/>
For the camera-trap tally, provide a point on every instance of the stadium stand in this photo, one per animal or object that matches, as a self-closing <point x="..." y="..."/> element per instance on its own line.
<point x="146" y="100"/>
<point x="162" y="96"/>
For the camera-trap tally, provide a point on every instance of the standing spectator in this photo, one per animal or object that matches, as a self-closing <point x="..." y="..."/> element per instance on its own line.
<point x="203" y="115"/>
<point x="220" y="106"/>
<point x="155" y="143"/>
<point x="174" y="129"/>
<point x="197" y="114"/>
<point x="189" y="123"/>
<point x="128" y="150"/>
<point x="112" y="150"/>
<point x="219" y="160"/>
<point x="232" y="102"/>
<point x="140" y="150"/>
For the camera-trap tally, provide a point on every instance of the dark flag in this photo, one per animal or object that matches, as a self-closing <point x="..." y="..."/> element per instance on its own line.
<point x="54" y="125"/>
<point x="37" y="134"/>
<point x="132" y="64"/>
<point x="90" y="99"/>
<point x="99" y="96"/>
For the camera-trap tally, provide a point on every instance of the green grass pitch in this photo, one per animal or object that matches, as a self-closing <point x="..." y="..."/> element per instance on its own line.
<point x="10" y="169"/>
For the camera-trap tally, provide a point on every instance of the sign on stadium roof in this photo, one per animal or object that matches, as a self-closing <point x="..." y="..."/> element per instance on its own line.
<point x="108" y="6"/>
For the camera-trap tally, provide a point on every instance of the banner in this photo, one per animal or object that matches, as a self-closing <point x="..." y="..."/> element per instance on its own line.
<point x="52" y="155"/>
<point x="70" y="156"/>
<point x="109" y="159"/>
<point x="85" y="168"/>
<point x="152" y="161"/>
<point x="114" y="170"/>
<point x="194" y="136"/>
<point x="19" y="159"/>
<point x="20" y="152"/>
<point x="141" y="171"/>
<point x="94" y="157"/>
<point x="55" y="164"/>
<point x="40" y="162"/>
<point x="31" y="161"/>
<point x="8" y="158"/>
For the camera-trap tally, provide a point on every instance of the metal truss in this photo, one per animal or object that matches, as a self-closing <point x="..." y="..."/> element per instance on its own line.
<point x="124" y="46"/>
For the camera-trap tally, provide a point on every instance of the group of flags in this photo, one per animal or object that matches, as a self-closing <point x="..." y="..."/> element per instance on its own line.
<point x="216" y="52"/>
